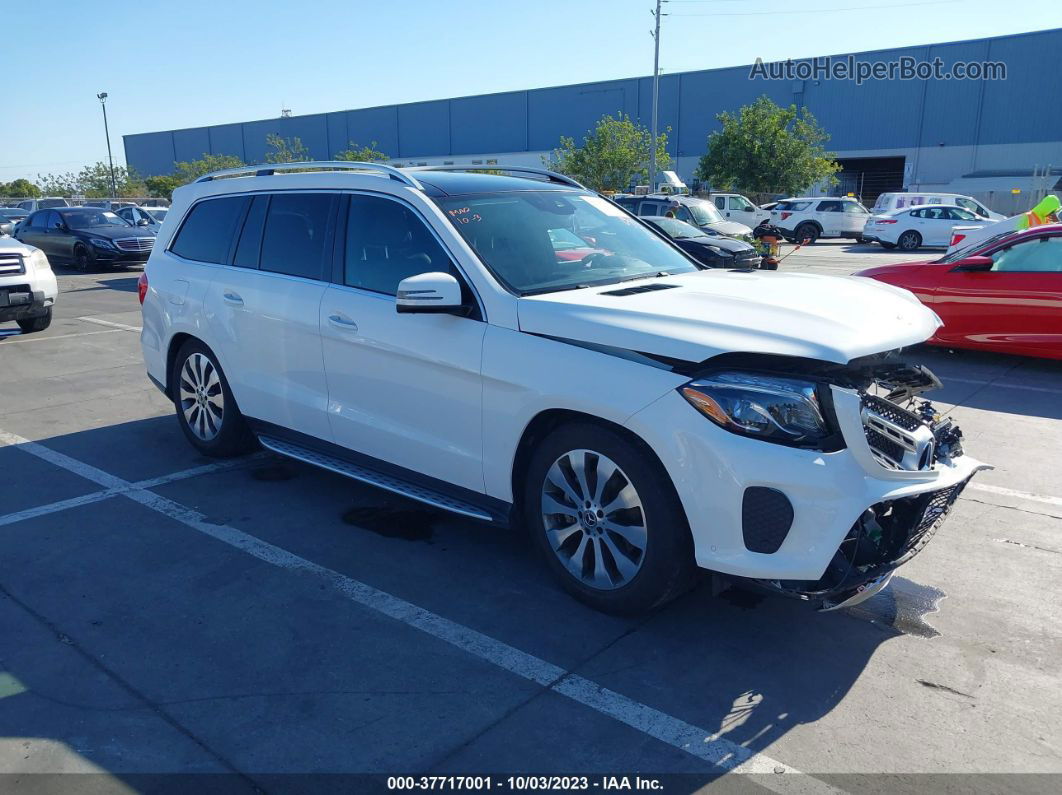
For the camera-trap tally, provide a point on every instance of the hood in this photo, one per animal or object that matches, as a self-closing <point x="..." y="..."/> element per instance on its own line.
<point x="732" y="228"/>
<point x="727" y="244"/>
<point x="710" y="312"/>
<point x="896" y="269"/>
<point x="112" y="232"/>
<point x="11" y="245"/>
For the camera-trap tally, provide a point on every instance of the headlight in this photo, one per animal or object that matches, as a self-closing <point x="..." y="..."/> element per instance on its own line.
<point x="39" y="261"/>
<point x="100" y="242"/>
<point x="772" y="408"/>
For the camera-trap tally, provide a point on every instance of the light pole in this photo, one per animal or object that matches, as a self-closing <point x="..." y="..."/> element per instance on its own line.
<point x="656" y="93"/>
<point x="102" y="97"/>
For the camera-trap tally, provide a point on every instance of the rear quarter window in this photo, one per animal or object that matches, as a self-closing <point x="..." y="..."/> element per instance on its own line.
<point x="206" y="234"/>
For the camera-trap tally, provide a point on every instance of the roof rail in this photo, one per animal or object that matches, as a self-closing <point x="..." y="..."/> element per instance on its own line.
<point x="268" y="169"/>
<point x="552" y="176"/>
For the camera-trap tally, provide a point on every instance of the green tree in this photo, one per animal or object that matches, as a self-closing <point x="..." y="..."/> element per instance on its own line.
<point x="613" y="157"/>
<point x="363" y="154"/>
<point x="95" y="181"/>
<point x="22" y="188"/>
<point x="286" y="150"/>
<point x="186" y="171"/>
<point x="766" y="148"/>
<point x="58" y="184"/>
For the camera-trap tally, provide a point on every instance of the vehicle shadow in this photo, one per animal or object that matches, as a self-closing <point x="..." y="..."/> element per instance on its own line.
<point x="117" y="584"/>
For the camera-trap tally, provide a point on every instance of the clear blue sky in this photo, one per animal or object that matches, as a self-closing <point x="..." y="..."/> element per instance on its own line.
<point x="168" y="64"/>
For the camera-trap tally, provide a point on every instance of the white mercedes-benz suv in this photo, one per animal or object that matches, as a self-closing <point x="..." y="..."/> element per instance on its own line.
<point x="516" y="348"/>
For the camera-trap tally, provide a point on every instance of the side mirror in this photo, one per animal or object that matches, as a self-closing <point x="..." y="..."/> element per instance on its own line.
<point x="58" y="224"/>
<point x="6" y="229"/>
<point x="142" y="222"/>
<point x="974" y="264"/>
<point x="429" y="292"/>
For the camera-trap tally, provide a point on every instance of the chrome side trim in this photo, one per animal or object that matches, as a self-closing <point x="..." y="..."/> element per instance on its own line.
<point x="364" y="475"/>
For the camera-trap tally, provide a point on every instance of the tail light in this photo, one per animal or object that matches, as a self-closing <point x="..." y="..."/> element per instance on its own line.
<point x="956" y="238"/>
<point x="785" y="215"/>
<point x="142" y="286"/>
<point x="886" y="221"/>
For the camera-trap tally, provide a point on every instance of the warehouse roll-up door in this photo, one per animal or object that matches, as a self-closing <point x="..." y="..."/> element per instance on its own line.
<point x="868" y="177"/>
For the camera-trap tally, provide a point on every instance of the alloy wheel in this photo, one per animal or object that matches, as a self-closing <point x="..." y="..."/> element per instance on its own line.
<point x="593" y="519"/>
<point x="202" y="398"/>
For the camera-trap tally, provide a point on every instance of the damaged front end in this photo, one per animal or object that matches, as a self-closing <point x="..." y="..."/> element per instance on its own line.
<point x="901" y="439"/>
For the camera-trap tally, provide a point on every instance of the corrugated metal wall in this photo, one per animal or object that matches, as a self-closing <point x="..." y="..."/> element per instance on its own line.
<point x="877" y="115"/>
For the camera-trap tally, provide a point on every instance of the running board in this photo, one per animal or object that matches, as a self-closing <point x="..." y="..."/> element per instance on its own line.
<point x="373" y="478"/>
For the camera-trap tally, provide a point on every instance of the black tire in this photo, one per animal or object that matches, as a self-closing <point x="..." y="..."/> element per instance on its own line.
<point x="39" y="323"/>
<point x="83" y="259"/>
<point x="666" y="566"/>
<point x="231" y="435"/>
<point x="889" y="246"/>
<point x="769" y="266"/>
<point x="806" y="231"/>
<point x="909" y="240"/>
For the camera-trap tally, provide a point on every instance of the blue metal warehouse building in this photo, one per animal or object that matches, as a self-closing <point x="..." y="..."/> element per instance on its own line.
<point x="984" y="137"/>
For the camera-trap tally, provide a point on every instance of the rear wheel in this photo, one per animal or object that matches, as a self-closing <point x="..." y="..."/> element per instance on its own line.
<point x="808" y="232"/>
<point x="39" y="323"/>
<point x="206" y="410"/>
<point x="909" y="240"/>
<point x="608" y="521"/>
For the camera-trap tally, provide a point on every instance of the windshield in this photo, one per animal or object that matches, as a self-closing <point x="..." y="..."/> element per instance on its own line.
<point x="703" y="212"/>
<point x="970" y="248"/>
<point x="543" y="241"/>
<point x="83" y="219"/>
<point x="158" y="213"/>
<point x="680" y="230"/>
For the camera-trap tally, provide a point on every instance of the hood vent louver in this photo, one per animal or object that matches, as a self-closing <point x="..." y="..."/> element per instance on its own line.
<point x="645" y="288"/>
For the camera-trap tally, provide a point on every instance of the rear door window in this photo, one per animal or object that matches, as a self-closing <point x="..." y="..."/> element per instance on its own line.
<point x="208" y="231"/>
<point x="829" y="207"/>
<point x="297" y="234"/>
<point x="649" y="208"/>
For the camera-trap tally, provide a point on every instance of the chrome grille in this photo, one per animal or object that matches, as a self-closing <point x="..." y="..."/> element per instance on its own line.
<point x="898" y="439"/>
<point x="135" y="243"/>
<point x="11" y="264"/>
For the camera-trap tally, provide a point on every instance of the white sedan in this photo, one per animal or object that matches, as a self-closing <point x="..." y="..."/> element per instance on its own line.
<point x="915" y="227"/>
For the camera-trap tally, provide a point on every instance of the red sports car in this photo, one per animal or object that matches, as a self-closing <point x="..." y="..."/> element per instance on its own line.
<point x="1001" y="294"/>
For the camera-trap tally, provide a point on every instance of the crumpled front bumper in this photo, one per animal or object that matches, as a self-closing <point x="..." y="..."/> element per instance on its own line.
<point x="827" y="494"/>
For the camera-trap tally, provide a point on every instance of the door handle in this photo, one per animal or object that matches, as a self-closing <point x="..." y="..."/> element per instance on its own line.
<point x="232" y="298"/>
<point x="343" y="322"/>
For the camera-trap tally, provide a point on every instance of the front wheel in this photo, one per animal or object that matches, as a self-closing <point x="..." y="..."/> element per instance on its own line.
<point x="605" y="516"/>
<point x="82" y="257"/>
<point x="206" y="409"/>
<point x="39" y="323"/>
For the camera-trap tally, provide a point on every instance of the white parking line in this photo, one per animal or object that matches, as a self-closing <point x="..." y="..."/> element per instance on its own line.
<point x="694" y="740"/>
<point x="97" y="496"/>
<point x="121" y="326"/>
<point x="1002" y="385"/>
<point x="1024" y="495"/>
<point x="20" y="338"/>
